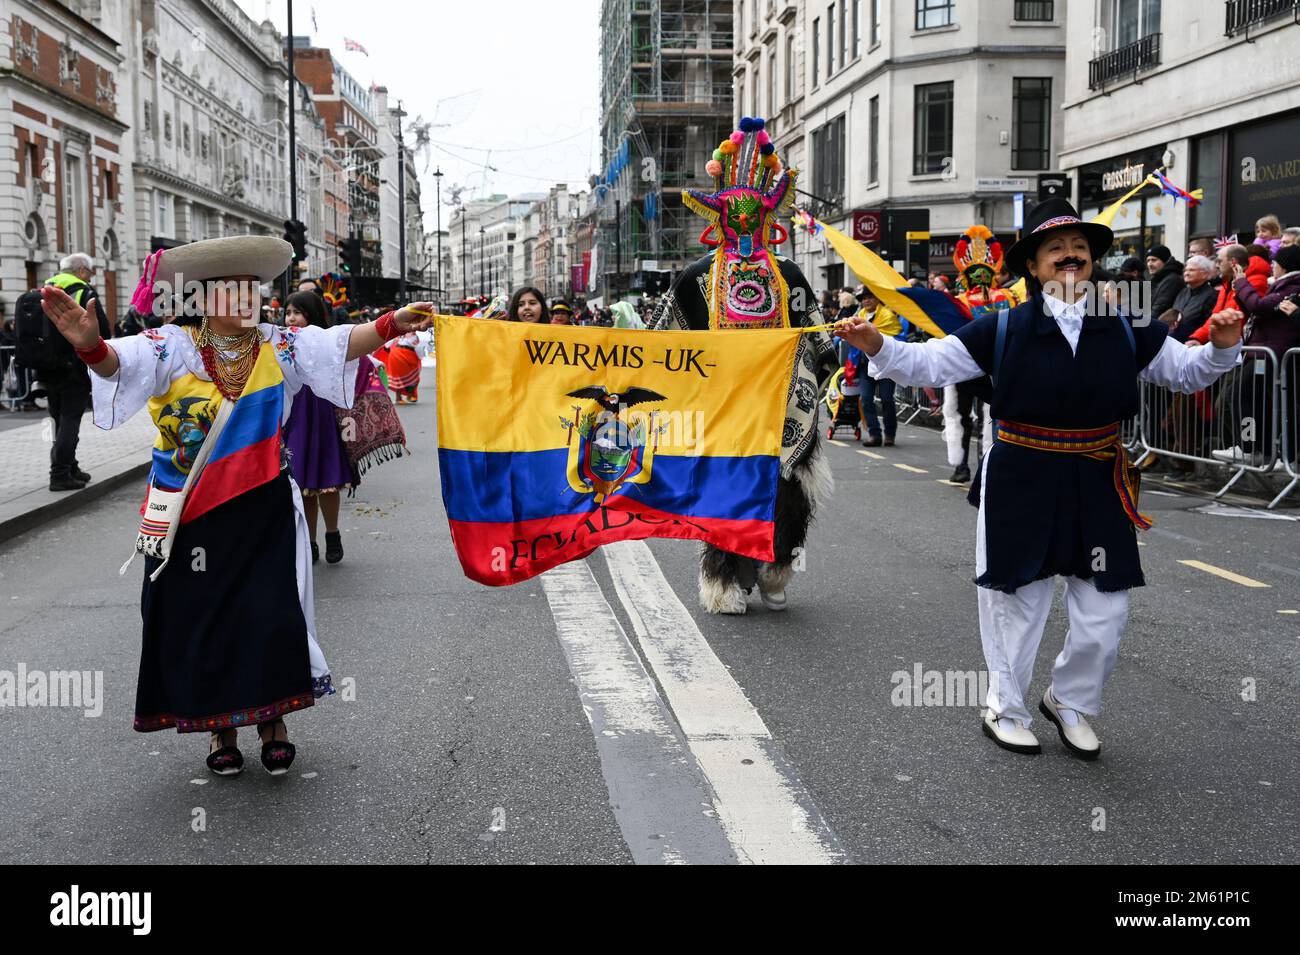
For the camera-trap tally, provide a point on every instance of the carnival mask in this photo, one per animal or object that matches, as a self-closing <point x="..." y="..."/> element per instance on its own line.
<point x="746" y="289"/>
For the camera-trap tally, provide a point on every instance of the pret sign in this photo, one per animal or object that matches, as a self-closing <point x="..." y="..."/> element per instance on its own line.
<point x="866" y="225"/>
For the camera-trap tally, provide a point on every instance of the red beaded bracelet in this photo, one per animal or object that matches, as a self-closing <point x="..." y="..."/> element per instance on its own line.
<point x="386" y="326"/>
<point x="95" y="353"/>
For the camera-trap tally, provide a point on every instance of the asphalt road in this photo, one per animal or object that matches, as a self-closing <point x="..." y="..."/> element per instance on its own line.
<point x="501" y="725"/>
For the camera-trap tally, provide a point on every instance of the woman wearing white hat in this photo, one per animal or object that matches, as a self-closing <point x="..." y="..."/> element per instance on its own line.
<point x="229" y="629"/>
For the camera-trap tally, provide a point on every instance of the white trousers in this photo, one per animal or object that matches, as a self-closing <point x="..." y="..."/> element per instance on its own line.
<point x="1011" y="629"/>
<point x="952" y="425"/>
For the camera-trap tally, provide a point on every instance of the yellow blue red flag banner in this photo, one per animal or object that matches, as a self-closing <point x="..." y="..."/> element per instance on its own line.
<point x="934" y="312"/>
<point x="574" y="437"/>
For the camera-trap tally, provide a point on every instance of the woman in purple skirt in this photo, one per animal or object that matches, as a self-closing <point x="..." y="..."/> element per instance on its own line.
<point x="317" y="454"/>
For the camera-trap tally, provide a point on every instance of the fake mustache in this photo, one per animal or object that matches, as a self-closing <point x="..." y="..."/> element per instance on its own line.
<point x="1071" y="260"/>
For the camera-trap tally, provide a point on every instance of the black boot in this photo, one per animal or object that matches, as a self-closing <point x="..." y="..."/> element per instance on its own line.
<point x="61" y="479"/>
<point x="333" y="547"/>
<point x="961" y="475"/>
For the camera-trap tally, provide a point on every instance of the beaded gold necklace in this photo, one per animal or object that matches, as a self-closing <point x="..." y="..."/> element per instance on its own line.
<point x="228" y="359"/>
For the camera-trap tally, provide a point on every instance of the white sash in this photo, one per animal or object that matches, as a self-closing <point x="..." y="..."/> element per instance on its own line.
<point x="162" y="511"/>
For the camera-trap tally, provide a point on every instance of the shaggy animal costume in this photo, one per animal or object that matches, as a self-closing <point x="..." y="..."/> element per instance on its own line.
<point x="743" y="285"/>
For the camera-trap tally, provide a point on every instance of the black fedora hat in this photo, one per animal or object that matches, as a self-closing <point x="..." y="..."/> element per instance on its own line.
<point x="1048" y="217"/>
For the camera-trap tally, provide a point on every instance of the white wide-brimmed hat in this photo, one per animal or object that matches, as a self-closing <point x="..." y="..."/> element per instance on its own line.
<point x="263" y="256"/>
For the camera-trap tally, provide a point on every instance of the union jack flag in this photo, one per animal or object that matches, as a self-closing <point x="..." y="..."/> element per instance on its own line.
<point x="352" y="46"/>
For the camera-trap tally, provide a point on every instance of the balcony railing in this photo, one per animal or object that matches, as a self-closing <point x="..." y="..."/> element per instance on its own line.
<point x="1127" y="60"/>
<point x="1241" y="15"/>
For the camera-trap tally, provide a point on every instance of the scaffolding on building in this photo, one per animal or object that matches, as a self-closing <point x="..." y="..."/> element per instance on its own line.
<point x="666" y="91"/>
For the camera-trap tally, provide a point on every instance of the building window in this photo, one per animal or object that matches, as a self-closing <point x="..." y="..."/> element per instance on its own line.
<point x="1036" y="11"/>
<point x="771" y="80"/>
<point x="203" y="146"/>
<point x="1130" y="20"/>
<point x="857" y="28"/>
<point x="167" y="127"/>
<point x="789" y="69"/>
<point x="828" y="165"/>
<point x="933" y="13"/>
<point x="844" y="33"/>
<point x="1031" y="136"/>
<point x="148" y="117"/>
<point x="875" y="22"/>
<point x="164" y="214"/>
<point x="933" y="125"/>
<point x="753" y="91"/>
<point x="185" y="137"/>
<point x="816" y="49"/>
<point x="830" y="41"/>
<point x="873" y="139"/>
<point x="72" y="205"/>
<point x="198" y="223"/>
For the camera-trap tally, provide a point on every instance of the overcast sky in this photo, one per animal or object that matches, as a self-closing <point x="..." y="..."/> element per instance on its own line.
<point x="517" y="77"/>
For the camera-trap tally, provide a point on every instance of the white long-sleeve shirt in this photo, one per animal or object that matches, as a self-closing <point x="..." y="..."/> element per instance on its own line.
<point x="945" y="361"/>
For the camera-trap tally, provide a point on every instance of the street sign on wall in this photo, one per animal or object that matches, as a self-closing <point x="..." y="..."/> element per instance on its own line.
<point x="866" y="225"/>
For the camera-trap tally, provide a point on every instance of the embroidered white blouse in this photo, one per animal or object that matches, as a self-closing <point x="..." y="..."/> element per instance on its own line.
<point x="148" y="363"/>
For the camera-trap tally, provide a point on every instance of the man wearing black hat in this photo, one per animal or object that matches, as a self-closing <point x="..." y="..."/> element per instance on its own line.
<point x="1166" y="279"/>
<point x="1056" y="494"/>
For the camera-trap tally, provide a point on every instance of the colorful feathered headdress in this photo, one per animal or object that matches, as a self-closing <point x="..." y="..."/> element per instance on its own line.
<point x="747" y="289"/>
<point x="977" y="247"/>
<point x="750" y="186"/>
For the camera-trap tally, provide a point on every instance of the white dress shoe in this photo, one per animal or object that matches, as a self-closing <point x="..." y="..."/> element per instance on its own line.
<point x="1076" y="734"/>
<point x="773" y="600"/>
<point x="1010" y="734"/>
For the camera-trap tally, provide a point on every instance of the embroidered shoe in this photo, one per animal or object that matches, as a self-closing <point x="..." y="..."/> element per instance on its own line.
<point x="277" y="754"/>
<point x="225" y="760"/>
<point x="1077" y="736"/>
<point x="1010" y="734"/>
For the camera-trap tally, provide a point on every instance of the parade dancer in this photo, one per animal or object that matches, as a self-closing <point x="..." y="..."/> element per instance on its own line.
<point x="229" y="628"/>
<point x="743" y="285"/>
<point x="978" y="258"/>
<point x="1056" y="493"/>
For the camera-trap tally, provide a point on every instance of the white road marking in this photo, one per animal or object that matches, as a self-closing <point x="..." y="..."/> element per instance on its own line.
<point x="1225" y="510"/>
<point x="663" y="805"/>
<point x="765" y="810"/>
<point x="1225" y="574"/>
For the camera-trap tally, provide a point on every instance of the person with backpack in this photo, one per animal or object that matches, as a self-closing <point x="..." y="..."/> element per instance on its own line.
<point x="1056" y="493"/>
<point x="54" y="364"/>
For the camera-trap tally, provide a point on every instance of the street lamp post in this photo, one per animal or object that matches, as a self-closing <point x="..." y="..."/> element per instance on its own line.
<point x="464" y="258"/>
<point x="437" y="179"/>
<point x="482" y="231"/>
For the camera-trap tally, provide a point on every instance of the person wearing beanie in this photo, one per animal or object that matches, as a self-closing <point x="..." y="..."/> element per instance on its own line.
<point x="1131" y="269"/>
<point x="1056" y="493"/>
<point x="1166" y="280"/>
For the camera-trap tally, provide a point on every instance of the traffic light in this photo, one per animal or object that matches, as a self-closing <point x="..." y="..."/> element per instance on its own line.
<point x="295" y="233"/>
<point x="350" y="255"/>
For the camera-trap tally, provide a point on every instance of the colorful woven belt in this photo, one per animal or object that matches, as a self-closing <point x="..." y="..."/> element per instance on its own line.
<point x="1101" y="444"/>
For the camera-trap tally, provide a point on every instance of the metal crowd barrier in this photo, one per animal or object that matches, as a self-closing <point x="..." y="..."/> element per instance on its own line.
<point x="913" y="401"/>
<point x="1289" y="400"/>
<point x="1244" y="414"/>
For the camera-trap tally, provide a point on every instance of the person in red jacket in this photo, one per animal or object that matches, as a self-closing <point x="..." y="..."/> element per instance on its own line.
<point x="1256" y="268"/>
